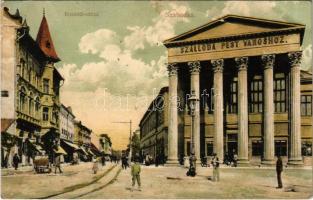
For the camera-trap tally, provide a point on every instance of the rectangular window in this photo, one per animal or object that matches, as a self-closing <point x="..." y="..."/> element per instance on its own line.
<point x="45" y="114"/>
<point x="256" y="96"/>
<point x="257" y="148"/>
<point x="188" y="148"/>
<point x="280" y="147"/>
<point x="280" y="94"/>
<point x="46" y="86"/>
<point x="233" y="97"/>
<point x="306" y="105"/>
<point x="4" y="93"/>
<point x="306" y="148"/>
<point x="209" y="148"/>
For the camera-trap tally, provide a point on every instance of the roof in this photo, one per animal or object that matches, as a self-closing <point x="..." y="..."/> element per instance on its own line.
<point x="238" y="25"/>
<point x="5" y="124"/>
<point x="31" y="46"/>
<point x="57" y="74"/>
<point x="306" y="76"/>
<point x="45" y="42"/>
<point x="152" y="104"/>
<point x="68" y="109"/>
<point x="15" y="16"/>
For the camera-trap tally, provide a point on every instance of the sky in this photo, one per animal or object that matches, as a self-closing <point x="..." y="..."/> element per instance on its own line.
<point x="112" y="56"/>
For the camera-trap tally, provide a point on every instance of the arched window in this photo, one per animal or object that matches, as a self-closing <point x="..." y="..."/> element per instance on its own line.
<point x="22" y="62"/>
<point x="22" y="99"/>
<point x="45" y="113"/>
<point x="30" y="104"/>
<point x="37" y="106"/>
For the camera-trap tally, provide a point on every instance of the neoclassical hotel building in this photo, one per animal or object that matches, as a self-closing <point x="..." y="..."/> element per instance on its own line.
<point x="254" y="98"/>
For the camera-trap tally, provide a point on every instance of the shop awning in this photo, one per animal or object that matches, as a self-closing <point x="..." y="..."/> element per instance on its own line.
<point x="60" y="151"/>
<point x="82" y="150"/>
<point x="35" y="147"/>
<point x="91" y="153"/>
<point x="74" y="146"/>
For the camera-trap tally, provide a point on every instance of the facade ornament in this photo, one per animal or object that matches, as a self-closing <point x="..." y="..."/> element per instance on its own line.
<point x="194" y="67"/>
<point x="268" y="61"/>
<point x="242" y="63"/>
<point x="218" y="65"/>
<point x="294" y="58"/>
<point x="172" y="69"/>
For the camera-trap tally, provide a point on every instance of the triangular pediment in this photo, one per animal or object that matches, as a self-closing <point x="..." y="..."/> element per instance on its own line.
<point x="232" y="25"/>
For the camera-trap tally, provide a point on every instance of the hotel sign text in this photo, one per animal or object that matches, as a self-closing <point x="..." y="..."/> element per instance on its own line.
<point x="235" y="44"/>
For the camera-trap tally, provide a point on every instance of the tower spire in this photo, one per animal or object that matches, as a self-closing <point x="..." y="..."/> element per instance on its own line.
<point x="43" y="12"/>
<point x="44" y="40"/>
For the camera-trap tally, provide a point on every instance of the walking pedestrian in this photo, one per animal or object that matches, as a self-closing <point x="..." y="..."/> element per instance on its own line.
<point x="135" y="172"/>
<point x="124" y="162"/>
<point x="95" y="165"/>
<point x="235" y="160"/>
<point x="216" y="164"/>
<point x="16" y="160"/>
<point x="57" y="164"/>
<point x="103" y="160"/>
<point x="279" y="169"/>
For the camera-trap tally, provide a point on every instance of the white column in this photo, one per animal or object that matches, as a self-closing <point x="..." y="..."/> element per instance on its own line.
<point x="172" y="116"/>
<point x="294" y="111"/>
<point x="194" y="68"/>
<point x="218" y="145"/>
<point x="268" y="63"/>
<point x="242" y="66"/>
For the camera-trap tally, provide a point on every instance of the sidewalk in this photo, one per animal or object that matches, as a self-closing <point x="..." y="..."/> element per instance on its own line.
<point x="32" y="185"/>
<point x="27" y="169"/>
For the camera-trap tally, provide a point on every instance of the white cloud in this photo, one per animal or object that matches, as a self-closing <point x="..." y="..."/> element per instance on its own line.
<point x="162" y="28"/>
<point x="96" y="41"/>
<point x="122" y="76"/>
<point x="307" y="58"/>
<point x="245" y="8"/>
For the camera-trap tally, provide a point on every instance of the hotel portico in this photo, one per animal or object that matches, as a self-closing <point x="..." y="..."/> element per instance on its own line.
<point x="246" y="73"/>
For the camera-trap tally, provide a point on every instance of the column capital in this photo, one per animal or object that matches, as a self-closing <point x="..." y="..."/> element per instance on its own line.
<point x="268" y="61"/>
<point x="218" y="65"/>
<point x="194" y="66"/>
<point x="294" y="58"/>
<point x="241" y="63"/>
<point x="172" y="69"/>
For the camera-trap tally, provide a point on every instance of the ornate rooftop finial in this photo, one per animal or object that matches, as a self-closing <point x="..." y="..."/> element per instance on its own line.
<point x="24" y="23"/>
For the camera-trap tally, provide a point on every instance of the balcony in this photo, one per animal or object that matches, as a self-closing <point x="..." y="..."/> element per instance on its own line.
<point x="28" y="118"/>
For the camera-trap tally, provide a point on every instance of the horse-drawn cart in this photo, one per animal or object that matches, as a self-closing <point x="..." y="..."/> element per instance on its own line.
<point x="42" y="164"/>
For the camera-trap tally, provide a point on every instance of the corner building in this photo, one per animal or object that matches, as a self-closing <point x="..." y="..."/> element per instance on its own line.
<point x="254" y="99"/>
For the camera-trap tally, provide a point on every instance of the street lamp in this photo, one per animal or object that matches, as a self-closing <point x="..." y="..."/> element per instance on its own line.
<point x="192" y="100"/>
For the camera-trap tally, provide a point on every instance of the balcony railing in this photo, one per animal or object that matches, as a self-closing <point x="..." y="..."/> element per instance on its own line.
<point x="26" y="117"/>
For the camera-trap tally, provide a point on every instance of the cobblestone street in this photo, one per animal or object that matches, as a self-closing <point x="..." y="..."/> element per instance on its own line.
<point x="158" y="182"/>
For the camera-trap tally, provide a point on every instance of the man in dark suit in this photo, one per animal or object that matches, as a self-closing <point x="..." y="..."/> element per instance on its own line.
<point x="279" y="169"/>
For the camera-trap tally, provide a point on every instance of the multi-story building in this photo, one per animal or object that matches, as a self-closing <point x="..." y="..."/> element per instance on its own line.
<point x="248" y="70"/>
<point x="9" y="30"/>
<point x="31" y="84"/>
<point x="82" y="138"/>
<point x="105" y="144"/>
<point x="154" y="127"/>
<point x="66" y="123"/>
<point x="66" y="126"/>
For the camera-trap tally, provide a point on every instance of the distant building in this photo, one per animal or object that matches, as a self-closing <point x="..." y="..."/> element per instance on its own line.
<point x="82" y="138"/>
<point x="67" y="123"/>
<point x="154" y="127"/>
<point x="105" y="144"/>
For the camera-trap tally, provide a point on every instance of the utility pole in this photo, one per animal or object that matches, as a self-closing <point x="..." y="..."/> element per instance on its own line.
<point x="130" y="137"/>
